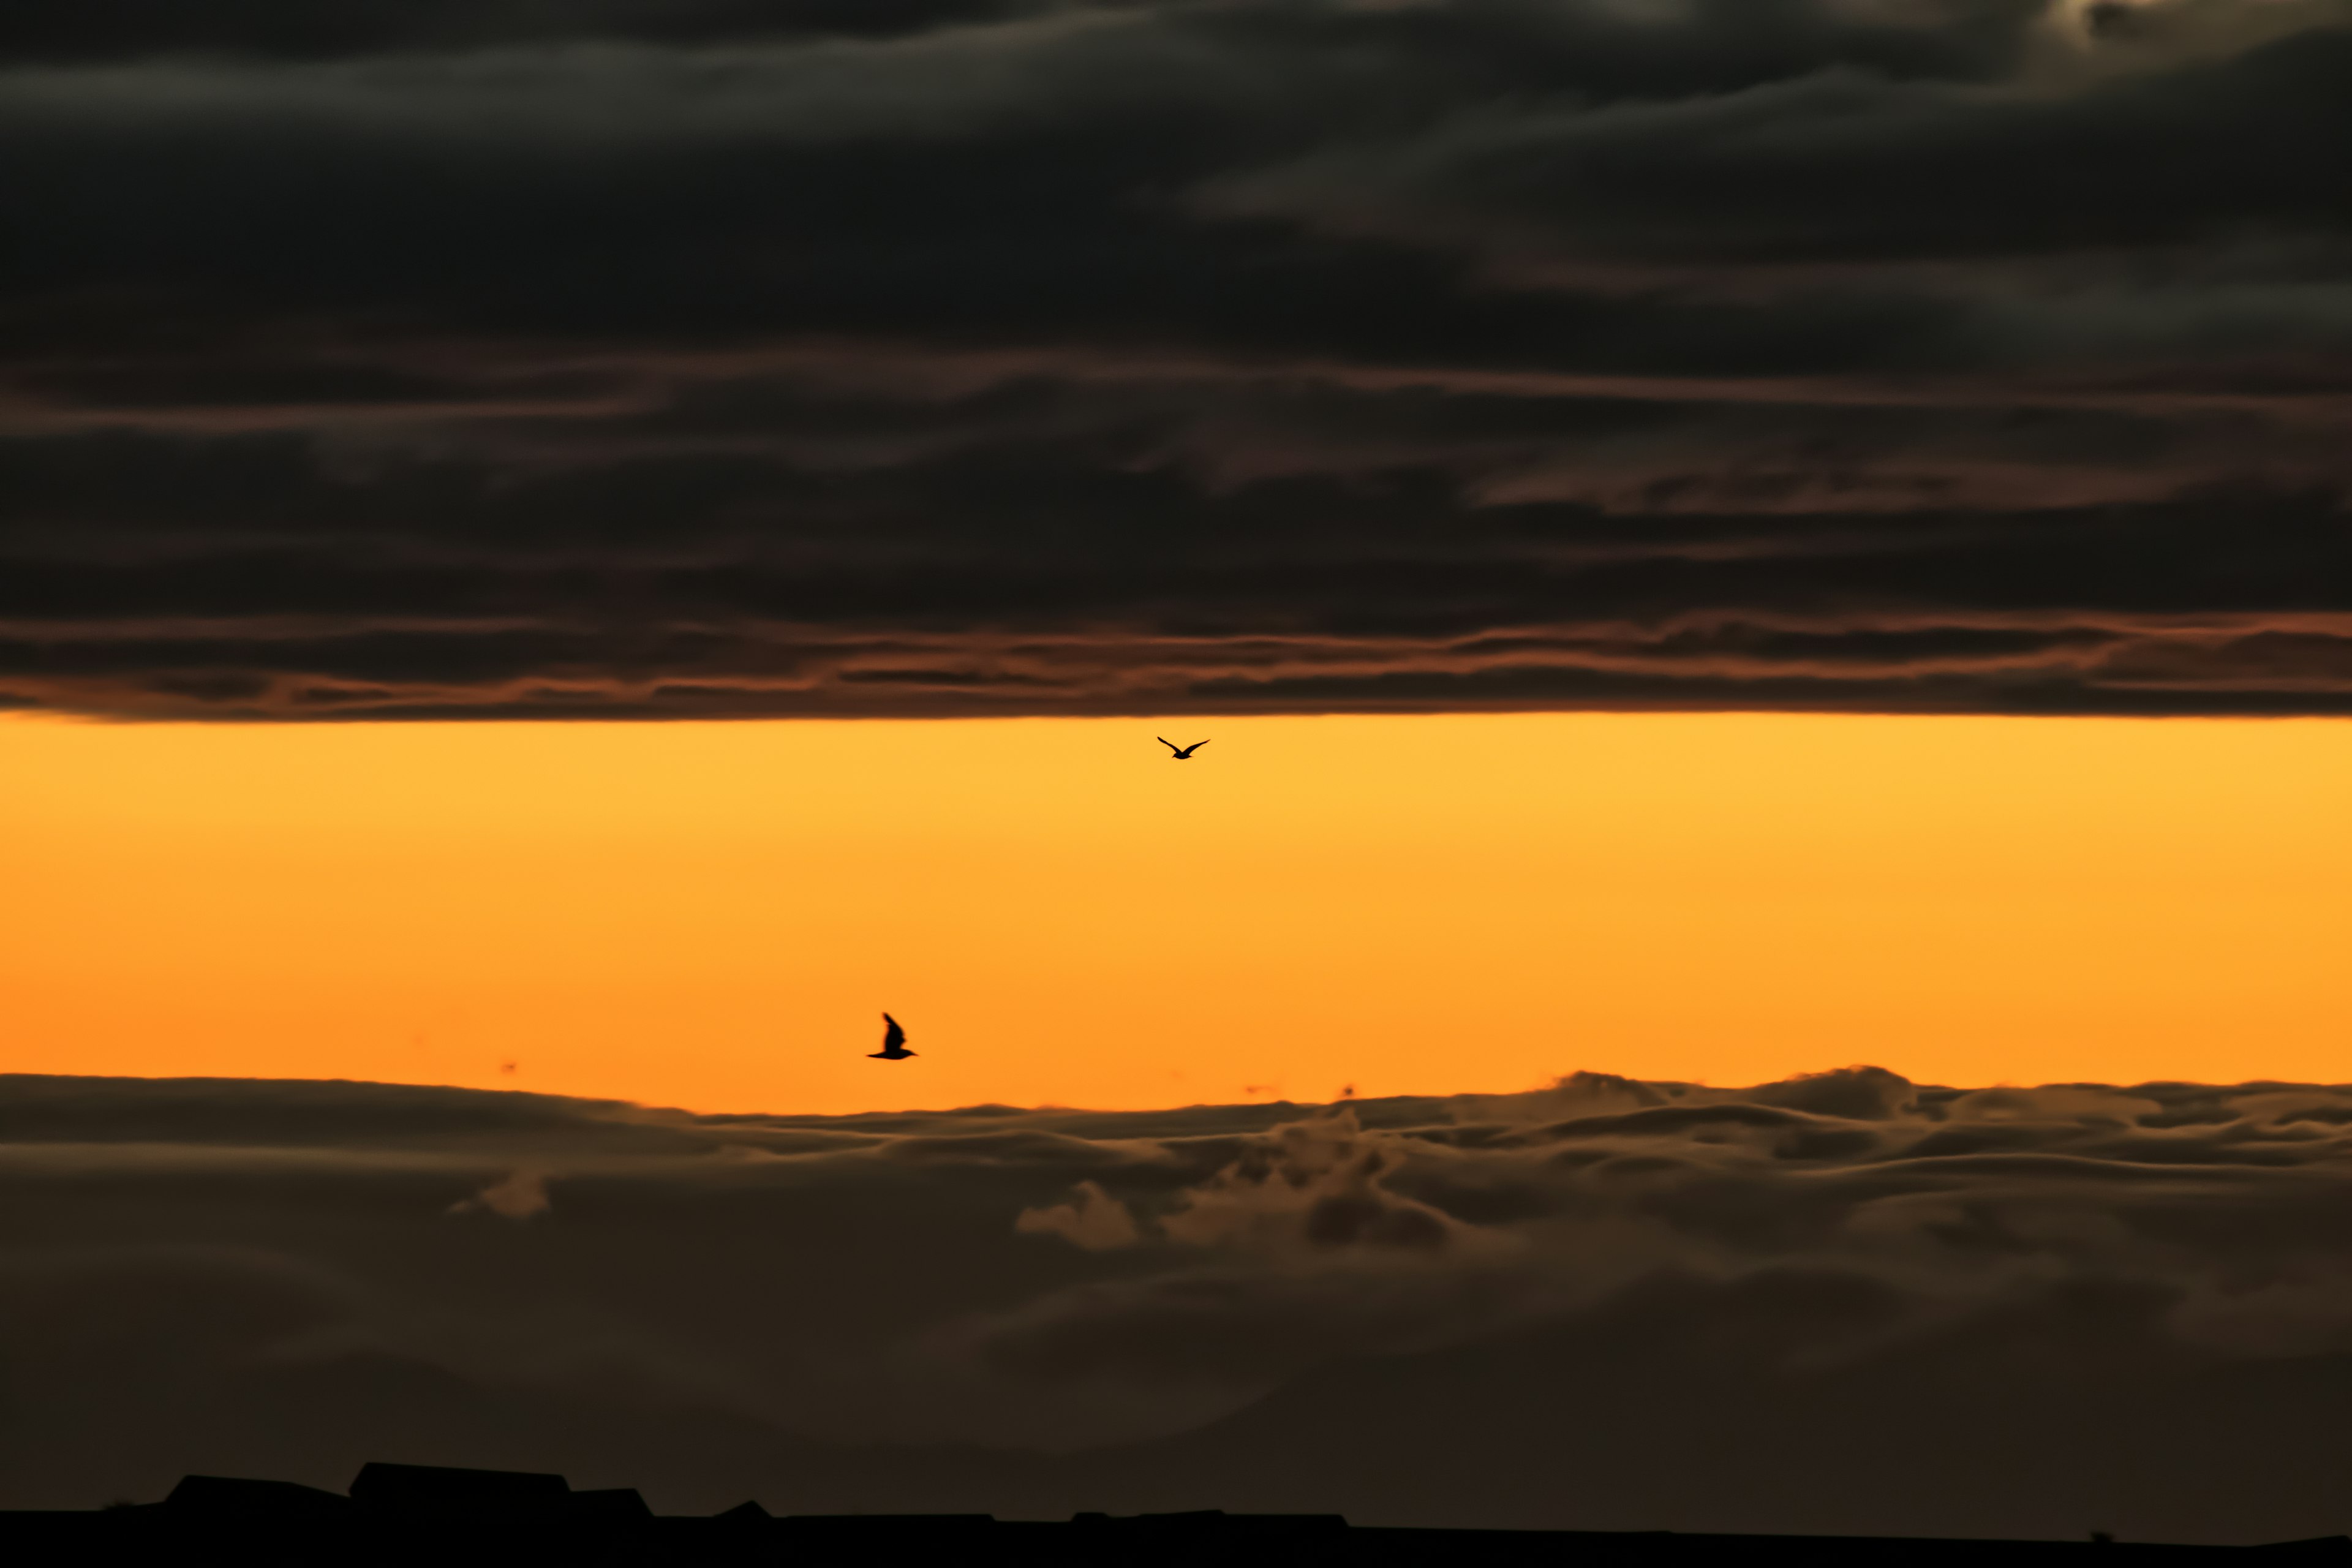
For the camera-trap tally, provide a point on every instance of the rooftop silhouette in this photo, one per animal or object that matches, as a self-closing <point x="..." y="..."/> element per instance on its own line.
<point x="437" y="1515"/>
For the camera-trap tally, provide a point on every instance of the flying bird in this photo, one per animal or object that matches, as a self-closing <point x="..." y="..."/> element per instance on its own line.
<point x="1183" y="753"/>
<point x="893" y="1043"/>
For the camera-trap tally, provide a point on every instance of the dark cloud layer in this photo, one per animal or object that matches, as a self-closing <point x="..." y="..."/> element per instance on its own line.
<point x="952" y="357"/>
<point x="1844" y="1303"/>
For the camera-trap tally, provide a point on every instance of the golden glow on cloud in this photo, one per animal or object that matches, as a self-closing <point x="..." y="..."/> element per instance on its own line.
<point x="715" y="915"/>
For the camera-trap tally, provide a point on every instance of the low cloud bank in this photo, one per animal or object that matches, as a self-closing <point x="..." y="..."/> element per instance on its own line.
<point x="1844" y="1302"/>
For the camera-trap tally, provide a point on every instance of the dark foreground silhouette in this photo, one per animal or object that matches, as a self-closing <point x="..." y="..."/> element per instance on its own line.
<point x="427" y="1515"/>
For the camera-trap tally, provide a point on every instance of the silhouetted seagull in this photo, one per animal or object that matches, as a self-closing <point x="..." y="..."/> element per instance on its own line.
<point x="893" y="1043"/>
<point x="1183" y="753"/>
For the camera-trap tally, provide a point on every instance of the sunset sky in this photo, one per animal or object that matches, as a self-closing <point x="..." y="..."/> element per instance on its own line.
<point x="712" y="915"/>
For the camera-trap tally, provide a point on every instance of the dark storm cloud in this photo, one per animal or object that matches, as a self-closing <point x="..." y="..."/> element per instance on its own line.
<point x="734" y="359"/>
<point x="1608" y="1304"/>
<point x="120" y="29"/>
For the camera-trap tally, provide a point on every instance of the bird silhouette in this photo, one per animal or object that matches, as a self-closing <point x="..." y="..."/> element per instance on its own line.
<point x="1183" y="753"/>
<point x="893" y="1043"/>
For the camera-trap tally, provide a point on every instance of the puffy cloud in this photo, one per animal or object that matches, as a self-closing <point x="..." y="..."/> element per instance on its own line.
<point x="1844" y="1302"/>
<point x="1092" y="1218"/>
<point x="518" y="1195"/>
<point x="946" y="356"/>
<point x="1317" y="1183"/>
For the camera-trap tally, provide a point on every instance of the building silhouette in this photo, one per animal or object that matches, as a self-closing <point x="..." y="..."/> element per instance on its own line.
<point x="426" y="1516"/>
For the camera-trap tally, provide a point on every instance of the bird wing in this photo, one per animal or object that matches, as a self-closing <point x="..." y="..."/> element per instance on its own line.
<point x="894" y="1035"/>
<point x="1167" y="743"/>
<point x="1196" y="746"/>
